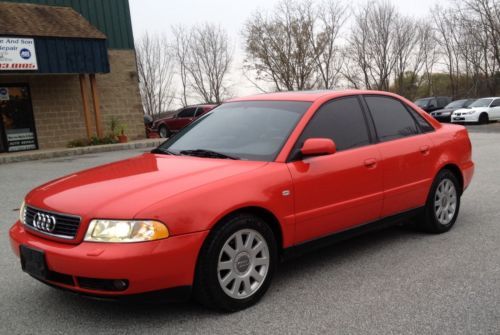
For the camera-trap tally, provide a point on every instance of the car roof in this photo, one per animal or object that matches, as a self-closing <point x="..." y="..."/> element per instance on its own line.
<point x="200" y="105"/>
<point x="310" y="96"/>
<point x="438" y="96"/>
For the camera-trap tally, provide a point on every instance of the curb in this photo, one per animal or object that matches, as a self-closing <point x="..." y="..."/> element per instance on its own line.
<point x="55" y="153"/>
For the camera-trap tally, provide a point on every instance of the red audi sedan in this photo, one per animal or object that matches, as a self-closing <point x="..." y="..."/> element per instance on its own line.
<point x="211" y="211"/>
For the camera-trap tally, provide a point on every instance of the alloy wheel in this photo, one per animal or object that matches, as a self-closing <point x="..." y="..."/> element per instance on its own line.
<point x="243" y="264"/>
<point x="445" y="202"/>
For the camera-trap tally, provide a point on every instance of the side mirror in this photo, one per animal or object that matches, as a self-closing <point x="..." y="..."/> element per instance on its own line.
<point x="318" y="147"/>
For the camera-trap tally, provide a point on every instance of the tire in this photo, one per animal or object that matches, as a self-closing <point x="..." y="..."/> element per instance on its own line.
<point x="484" y="118"/>
<point x="164" y="132"/>
<point x="232" y="283"/>
<point x="443" y="204"/>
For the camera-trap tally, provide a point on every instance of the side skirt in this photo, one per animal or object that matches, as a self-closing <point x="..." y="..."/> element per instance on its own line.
<point x="305" y="247"/>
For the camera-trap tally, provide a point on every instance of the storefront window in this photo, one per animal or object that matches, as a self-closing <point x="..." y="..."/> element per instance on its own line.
<point x="17" y="126"/>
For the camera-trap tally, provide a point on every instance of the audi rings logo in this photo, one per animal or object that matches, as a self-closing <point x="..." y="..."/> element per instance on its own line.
<point x="44" y="222"/>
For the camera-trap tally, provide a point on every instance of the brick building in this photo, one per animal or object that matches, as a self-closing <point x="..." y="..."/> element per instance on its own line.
<point x="65" y="72"/>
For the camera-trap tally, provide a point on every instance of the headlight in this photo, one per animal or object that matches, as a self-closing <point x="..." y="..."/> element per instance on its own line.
<point x="22" y="213"/>
<point x="468" y="113"/>
<point x="120" y="231"/>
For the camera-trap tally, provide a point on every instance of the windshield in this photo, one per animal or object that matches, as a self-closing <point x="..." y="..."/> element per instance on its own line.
<point x="422" y="102"/>
<point x="249" y="130"/>
<point x="457" y="104"/>
<point x="481" y="103"/>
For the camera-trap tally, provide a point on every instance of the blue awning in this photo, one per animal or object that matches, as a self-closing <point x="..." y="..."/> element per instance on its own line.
<point x="64" y="41"/>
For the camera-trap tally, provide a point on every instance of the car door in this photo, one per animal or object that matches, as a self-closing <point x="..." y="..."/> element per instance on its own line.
<point x="407" y="154"/>
<point x="183" y="118"/>
<point x="494" y="111"/>
<point x="336" y="192"/>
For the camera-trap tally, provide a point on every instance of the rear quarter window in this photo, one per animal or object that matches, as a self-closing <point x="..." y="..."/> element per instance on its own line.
<point x="425" y="126"/>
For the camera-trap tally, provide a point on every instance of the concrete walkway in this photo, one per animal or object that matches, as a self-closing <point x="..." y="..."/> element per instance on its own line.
<point x="64" y="152"/>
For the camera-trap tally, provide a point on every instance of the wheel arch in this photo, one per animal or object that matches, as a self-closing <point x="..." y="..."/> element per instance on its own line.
<point x="456" y="171"/>
<point x="483" y="114"/>
<point x="266" y="215"/>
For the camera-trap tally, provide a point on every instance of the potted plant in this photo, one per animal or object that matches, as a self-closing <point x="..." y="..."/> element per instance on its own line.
<point x="118" y="130"/>
<point x="122" y="138"/>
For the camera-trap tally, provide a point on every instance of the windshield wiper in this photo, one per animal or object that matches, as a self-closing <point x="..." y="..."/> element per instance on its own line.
<point x="207" y="153"/>
<point x="163" y="152"/>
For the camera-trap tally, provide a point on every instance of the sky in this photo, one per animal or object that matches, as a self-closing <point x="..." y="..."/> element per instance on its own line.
<point x="157" y="16"/>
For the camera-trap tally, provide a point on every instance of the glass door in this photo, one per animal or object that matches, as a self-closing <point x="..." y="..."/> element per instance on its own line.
<point x="17" y="125"/>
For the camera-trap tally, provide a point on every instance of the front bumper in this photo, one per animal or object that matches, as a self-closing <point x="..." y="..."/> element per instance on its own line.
<point x="147" y="266"/>
<point x="465" y="118"/>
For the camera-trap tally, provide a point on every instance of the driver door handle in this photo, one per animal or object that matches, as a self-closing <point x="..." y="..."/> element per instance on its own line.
<point x="370" y="163"/>
<point x="425" y="149"/>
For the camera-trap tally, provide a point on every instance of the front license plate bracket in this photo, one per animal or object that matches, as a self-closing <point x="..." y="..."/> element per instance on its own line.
<point x="33" y="262"/>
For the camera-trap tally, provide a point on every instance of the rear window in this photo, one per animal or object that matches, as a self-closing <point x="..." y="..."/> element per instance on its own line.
<point x="392" y="120"/>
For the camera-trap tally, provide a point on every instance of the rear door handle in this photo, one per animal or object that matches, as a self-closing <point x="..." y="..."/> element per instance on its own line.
<point x="425" y="149"/>
<point x="371" y="163"/>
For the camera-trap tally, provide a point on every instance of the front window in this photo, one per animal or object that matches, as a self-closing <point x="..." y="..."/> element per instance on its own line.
<point x="249" y="130"/>
<point x="341" y="120"/>
<point x="481" y="103"/>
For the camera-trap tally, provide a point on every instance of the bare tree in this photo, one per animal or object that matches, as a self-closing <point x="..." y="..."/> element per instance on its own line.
<point x="469" y="33"/>
<point x="415" y="51"/>
<point x="181" y="50"/>
<point x="278" y="47"/>
<point x="155" y="70"/>
<point x="324" y="39"/>
<point x="208" y="62"/>
<point x="372" y="45"/>
<point x="427" y="46"/>
<point x="408" y="62"/>
<point x="450" y="49"/>
<point x="479" y="40"/>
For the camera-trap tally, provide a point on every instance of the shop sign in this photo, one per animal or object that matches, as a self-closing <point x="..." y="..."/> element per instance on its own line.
<point x="21" y="140"/>
<point x="4" y="94"/>
<point x="17" y="54"/>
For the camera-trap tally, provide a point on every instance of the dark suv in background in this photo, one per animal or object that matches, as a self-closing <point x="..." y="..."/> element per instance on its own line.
<point x="444" y="115"/>
<point x="432" y="103"/>
<point x="165" y="127"/>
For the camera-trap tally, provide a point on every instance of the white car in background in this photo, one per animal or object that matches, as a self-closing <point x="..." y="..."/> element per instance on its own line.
<point x="482" y="111"/>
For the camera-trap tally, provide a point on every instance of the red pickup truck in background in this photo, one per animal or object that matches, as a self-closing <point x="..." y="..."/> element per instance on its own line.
<point x="165" y="127"/>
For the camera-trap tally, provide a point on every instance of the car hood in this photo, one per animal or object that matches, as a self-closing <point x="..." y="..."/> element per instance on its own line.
<point x="444" y="111"/>
<point x="162" y="120"/>
<point x="476" y="109"/>
<point x="123" y="188"/>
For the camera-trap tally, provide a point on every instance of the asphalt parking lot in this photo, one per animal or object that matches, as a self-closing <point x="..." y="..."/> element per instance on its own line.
<point x="395" y="281"/>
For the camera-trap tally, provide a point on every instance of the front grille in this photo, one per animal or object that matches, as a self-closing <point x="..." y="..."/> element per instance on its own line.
<point x="53" y="224"/>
